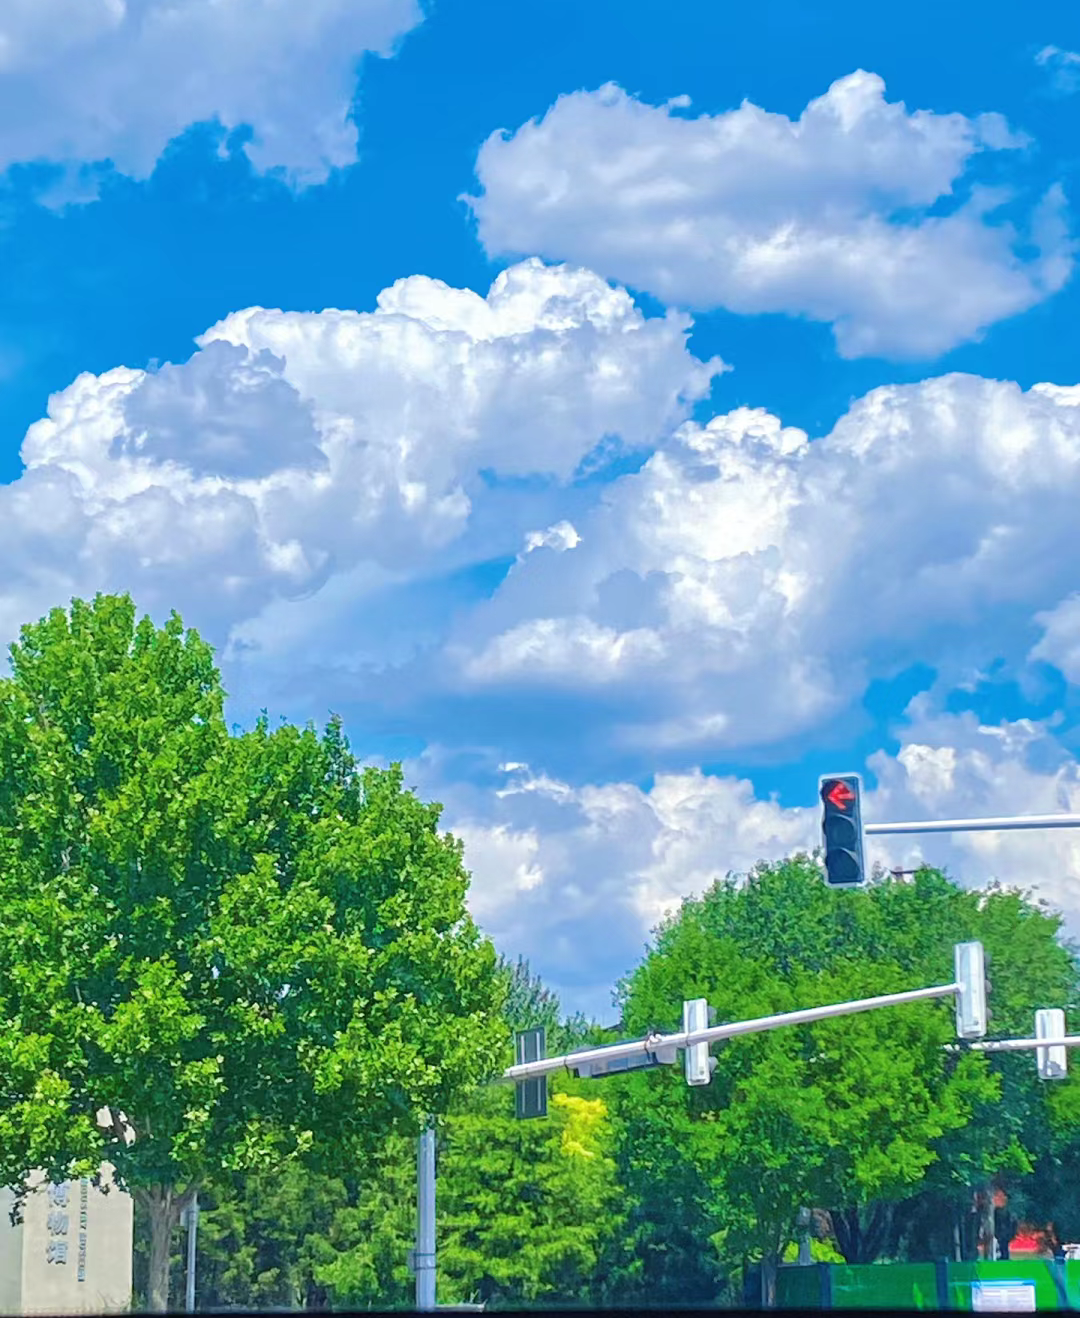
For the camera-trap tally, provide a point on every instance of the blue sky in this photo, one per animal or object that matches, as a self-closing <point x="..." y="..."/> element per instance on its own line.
<point x="735" y="476"/>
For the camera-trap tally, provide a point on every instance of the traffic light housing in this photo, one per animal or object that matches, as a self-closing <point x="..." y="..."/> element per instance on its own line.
<point x="1053" y="1063"/>
<point x="531" y="1095"/>
<point x="600" y="1067"/>
<point x="697" y="1063"/>
<point x="972" y="1013"/>
<point x="841" y="830"/>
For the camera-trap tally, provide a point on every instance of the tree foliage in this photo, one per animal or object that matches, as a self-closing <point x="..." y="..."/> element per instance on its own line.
<point x="854" y="1114"/>
<point x="251" y="948"/>
<point x="527" y="1212"/>
<point x="261" y="955"/>
<point x="868" y="1117"/>
<point x="530" y="1211"/>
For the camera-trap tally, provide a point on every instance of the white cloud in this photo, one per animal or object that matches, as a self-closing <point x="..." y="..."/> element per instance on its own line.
<point x="94" y="80"/>
<point x="566" y="647"/>
<point x="826" y="216"/>
<point x="745" y="584"/>
<point x="562" y="536"/>
<point x="1060" y="643"/>
<point x="306" y="487"/>
<point x="1064" y="66"/>
<point x="576" y="877"/>
<point x="953" y="767"/>
<point x="293" y="448"/>
<point x="737" y="590"/>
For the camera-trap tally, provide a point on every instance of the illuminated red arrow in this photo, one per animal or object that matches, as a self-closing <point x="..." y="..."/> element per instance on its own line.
<point x="840" y="795"/>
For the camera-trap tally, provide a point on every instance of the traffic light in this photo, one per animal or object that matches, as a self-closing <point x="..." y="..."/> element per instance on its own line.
<point x="531" y="1096"/>
<point x="605" y="1066"/>
<point x="972" y="1014"/>
<point x="1053" y="1063"/>
<point x="841" y="830"/>
<point x="697" y="1063"/>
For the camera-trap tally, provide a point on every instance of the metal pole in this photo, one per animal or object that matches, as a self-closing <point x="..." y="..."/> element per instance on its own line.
<point x="1015" y="1045"/>
<point x="192" y="1233"/>
<point x="803" y="1222"/>
<point x="1005" y="824"/>
<point x="425" y="1219"/>
<point x="654" y="1043"/>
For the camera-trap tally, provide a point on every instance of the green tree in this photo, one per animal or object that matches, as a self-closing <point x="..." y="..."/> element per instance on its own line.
<point x="850" y="1114"/>
<point x="531" y="1210"/>
<point x="1031" y="966"/>
<point x="674" y="1216"/>
<point x="1050" y="1195"/>
<point x="295" y="1237"/>
<point x="526" y="1210"/>
<point x="367" y="1264"/>
<point x="249" y="947"/>
<point x="529" y="1002"/>
<point x="262" y="1237"/>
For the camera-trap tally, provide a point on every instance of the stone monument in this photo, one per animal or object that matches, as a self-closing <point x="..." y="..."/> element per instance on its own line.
<point x="71" y="1254"/>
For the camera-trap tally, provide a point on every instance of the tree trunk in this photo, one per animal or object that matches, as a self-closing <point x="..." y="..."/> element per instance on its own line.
<point x="769" y="1268"/>
<point x="845" y="1224"/>
<point x="985" y="1205"/>
<point x="878" y="1232"/>
<point x="859" y="1242"/>
<point x="163" y="1207"/>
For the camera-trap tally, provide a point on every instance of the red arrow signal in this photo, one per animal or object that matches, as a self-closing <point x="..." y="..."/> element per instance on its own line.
<point x="840" y="795"/>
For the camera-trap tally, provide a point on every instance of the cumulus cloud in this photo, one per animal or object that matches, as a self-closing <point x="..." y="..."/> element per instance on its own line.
<point x="308" y="487"/>
<point x="576" y="877"/>
<point x="954" y="767"/>
<point x="1060" y="642"/>
<point x="85" y="81"/>
<point x="1064" y="67"/>
<point x="745" y="584"/>
<point x="836" y="216"/>
<point x="293" y="448"/>
<point x="306" y="482"/>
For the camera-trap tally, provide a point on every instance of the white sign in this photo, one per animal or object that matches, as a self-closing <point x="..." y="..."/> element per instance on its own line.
<point x="1003" y="1297"/>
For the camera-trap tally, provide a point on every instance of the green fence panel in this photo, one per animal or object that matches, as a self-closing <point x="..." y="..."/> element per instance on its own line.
<point x="1044" y="1274"/>
<point x="1071" y="1276"/>
<point x="858" y="1286"/>
<point x="1056" y="1285"/>
<point x="798" y="1288"/>
<point x="890" y="1286"/>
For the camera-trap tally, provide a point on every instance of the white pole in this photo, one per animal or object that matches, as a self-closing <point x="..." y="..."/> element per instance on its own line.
<point x="192" y="1232"/>
<point x="652" y="1044"/>
<point x="425" y="1219"/>
<point x="1004" y="824"/>
<point x="1015" y="1045"/>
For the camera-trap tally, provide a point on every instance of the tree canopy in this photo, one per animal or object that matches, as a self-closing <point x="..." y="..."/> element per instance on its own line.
<point x="867" y="1120"/>
<point x="246" y="944"/>
<point x="260" y="954"/>
<point x="856" y="1114"/>
<point x="527" y="1212"/>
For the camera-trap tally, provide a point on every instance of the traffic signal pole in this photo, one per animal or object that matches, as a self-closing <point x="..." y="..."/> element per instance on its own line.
<point x="1004" y="824"/>
<point x="684" y="1039"/>
<point x="843" y="831"/>
<point x="1015" y="1045"/>
<point x="192" y="1230"/>
<point x="1050" y="1044"/>
<point x="424" y="1256"/>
